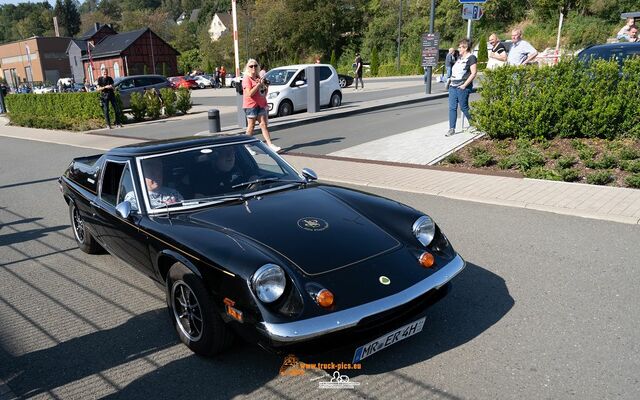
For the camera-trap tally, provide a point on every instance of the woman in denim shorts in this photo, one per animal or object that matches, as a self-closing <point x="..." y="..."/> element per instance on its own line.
<point x="254" y="101"/>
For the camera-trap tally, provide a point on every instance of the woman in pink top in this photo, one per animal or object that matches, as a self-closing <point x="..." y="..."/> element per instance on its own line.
<point x="254" y="101"/>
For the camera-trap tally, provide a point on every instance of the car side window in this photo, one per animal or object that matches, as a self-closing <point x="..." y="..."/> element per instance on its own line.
<point x="156" y="80"/>
<point x="325" y="73"/>
<point x="126" y="84"/>
<point x="111" y="182"/>
<point x="126" y="191"/>
<point x="141" y="82"/>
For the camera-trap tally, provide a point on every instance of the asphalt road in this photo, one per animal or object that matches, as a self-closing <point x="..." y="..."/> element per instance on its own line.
<point x="224" y="98"/>
<point x="546" y="308"/>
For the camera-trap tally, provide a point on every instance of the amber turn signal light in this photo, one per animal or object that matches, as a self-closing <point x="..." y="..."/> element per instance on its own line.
<point x="427" y="260"/>
<point x="324" y="298"/>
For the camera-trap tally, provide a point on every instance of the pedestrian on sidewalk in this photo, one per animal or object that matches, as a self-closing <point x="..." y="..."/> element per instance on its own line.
<point x="461" y="84"/>
<point x="107" y="95"/>
<point x="254" y="101"/>
<point x="498" y="53"/>
<point x="223" y="76"/>
<point x="358" y="71"/>
<point x="522" y="52"/>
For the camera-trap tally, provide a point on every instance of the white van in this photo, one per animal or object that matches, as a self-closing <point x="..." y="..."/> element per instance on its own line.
<point x="288" y="89"/>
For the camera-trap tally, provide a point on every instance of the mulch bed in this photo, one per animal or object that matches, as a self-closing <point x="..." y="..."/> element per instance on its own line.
<point x="620" y="158"/>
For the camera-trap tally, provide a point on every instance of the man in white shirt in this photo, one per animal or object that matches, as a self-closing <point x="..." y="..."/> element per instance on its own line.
<point x="522" y="52"/>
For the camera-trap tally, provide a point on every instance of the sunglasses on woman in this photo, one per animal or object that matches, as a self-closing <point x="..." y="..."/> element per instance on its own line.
<point x="252" y="66"/>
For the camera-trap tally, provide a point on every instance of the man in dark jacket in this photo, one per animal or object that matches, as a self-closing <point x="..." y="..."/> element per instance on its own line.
<point x="107" y="95"/>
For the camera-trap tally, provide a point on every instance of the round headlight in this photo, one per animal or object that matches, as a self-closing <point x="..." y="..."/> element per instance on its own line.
<point x="424" y="229"/>
<point x="269" y="283"/>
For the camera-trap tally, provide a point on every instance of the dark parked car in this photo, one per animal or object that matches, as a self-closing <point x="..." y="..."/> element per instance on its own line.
<point x="243" y="244"/>
<point x="608" y="51"/>
<point x="138" y="83"/>
<point x="345" y="80"/>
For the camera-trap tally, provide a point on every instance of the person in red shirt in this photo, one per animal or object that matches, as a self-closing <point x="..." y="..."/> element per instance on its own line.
<point x="223" y="75"/>
<point x="254" y="101"/>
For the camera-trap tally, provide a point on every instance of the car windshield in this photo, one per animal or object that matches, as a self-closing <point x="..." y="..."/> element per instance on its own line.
<point x="213" y="174"/>
<point x="280" y="76"/>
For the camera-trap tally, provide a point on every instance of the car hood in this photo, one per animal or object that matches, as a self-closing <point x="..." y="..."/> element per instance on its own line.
<point x="310" y="227"/>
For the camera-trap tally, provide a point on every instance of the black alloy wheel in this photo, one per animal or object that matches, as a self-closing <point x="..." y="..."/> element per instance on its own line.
<point x="286" y="108"/>
<point x="193" y="313"/>
<point x="342" y="82"/>
<point x="83" y="237"/>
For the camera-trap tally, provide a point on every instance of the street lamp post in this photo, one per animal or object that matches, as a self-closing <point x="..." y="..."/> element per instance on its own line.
<point x="431" y="23"/>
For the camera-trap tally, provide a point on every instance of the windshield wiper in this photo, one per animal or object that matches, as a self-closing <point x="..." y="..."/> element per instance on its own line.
<point x="217" y="199"/>
<point x="266" y="180"/>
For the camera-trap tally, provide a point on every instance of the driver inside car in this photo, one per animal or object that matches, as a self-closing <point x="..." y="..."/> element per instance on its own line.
<point x="159" y="196"/>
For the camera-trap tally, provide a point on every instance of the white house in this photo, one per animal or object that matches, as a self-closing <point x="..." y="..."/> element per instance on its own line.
<point x="221" y="24"/>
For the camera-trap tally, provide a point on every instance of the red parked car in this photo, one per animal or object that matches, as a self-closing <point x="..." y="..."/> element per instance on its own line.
<point x="186" y="82"/>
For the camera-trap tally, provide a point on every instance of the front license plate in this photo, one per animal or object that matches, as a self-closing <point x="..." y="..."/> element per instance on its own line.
<point x="387" y="340"/>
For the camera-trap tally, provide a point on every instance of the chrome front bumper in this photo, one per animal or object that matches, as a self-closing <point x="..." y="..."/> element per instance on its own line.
<point x="306" y="329"/>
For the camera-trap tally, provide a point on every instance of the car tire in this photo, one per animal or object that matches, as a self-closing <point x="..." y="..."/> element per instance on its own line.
<point x="197" y="322"/>
<point x="85" y="241"/>
<point x="285" y="108"/>
<point x="336" y="100"/>
<point x="342" y="82"/>
<point x="201" y="86"/>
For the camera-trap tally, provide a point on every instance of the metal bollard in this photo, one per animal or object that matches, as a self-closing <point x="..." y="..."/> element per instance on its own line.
<point x="214" y="120"/>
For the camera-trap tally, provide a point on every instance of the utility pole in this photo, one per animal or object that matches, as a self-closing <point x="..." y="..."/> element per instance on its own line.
<point x="399" y="32"/>
<point x="431" y="23"/>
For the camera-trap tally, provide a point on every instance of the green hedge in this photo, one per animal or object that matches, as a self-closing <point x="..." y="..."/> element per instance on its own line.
<point x="75" y="111"/>
<point x="571" y="99"/>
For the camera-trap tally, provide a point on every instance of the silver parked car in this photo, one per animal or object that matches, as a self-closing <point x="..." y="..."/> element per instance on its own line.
<point x="138" y="83"/>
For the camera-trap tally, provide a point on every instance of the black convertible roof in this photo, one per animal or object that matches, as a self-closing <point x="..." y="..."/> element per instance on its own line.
<point x="163" y="146"/>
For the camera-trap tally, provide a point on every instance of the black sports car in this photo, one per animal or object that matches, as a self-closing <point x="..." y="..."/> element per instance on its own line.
<point x="244" y="244"/>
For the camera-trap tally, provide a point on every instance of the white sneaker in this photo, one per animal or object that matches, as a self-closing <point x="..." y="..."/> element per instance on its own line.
<point x="274" y="147"/>
<point x="450" y="132"/>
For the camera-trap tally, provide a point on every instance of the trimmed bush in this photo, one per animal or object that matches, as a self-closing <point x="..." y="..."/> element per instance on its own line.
<point x="482" y="160"/>
<point x="169" y="98"/>
<point x="74" y="111"/>
<point x="153" y="103"/>
<point x="630" y="166"/>
<point x="183" y="102"/>
<point x="138" y="106"/>
<point x="628" y="153"/>
<point x="570" y="99"/>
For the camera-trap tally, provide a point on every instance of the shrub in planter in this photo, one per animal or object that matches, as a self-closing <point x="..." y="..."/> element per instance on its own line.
<point x="600" y="178"/>
<point x="527" y="158"/>
<point x="153" y="103"/>
<point x="633" y="181"/>
<point x="169" y="98"/>
<point x="482" y="160"/>
<point x="569" y="174"/>
<point x="630" y="166"/>
<point x="566" y="162"/>
<point x="454" y="158"/>
<point x="183" y="102"/>
<point x="607" y="161"/>
<point x="542" y="173"/>
<point x="138" y="106"/>
<point x="628" y="153"/>
<point x="506" y="163"/>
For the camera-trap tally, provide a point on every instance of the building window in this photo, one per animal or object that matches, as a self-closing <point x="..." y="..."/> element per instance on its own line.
<point x="90" y="74"/>
<point x="116" y="70"/>
<point x="75" y="61"/>
<point x="102" y="68"/>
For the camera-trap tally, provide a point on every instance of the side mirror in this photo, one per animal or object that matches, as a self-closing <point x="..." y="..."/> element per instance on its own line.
<point x="309" y="174"/>
<point x="124" y="209"/>
<point x="299" y="83"/>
